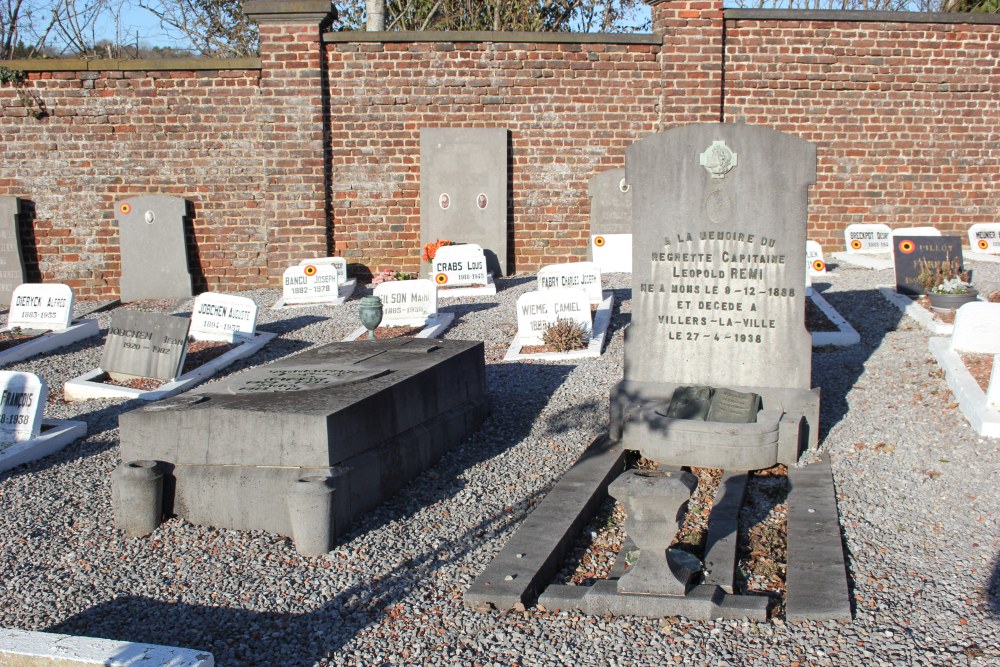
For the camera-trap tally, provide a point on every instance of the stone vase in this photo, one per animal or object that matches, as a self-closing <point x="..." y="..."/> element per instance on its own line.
<point x="370" y="310"/>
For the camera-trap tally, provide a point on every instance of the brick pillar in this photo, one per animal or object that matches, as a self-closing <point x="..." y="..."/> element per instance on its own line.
<point x="292" y="131"/>
<point x="691" y="60"/>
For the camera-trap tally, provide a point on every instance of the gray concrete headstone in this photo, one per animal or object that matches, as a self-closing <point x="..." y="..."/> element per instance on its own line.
<point x="718" y="260"/>
<point x="11" y="260"/>
<point x="153" y="249"/>
<point x="463" y="189"/>
<point x="610" y="203"/>
<point x="149" y="345"/>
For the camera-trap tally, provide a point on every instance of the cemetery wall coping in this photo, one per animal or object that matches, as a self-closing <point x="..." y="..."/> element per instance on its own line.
<point x="858" y="16"/>
<point x="147" y="64"/>
<point x="476" y="36"/>
<point x="290" y="11"/>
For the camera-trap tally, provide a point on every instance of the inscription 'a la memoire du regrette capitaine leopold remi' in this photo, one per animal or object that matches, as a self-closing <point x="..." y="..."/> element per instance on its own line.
<point x="718" y="284"/>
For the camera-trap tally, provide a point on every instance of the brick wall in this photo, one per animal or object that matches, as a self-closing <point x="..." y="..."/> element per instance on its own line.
<point x="905" y="115"/>
<point x="113" y="134"/>
<point x="314" y="147"/>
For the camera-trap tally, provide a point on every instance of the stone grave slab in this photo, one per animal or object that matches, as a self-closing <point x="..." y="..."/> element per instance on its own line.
<point x="154" y="262"/>
<point x="461" y="270"/>
<point x="148" y="345"/>
<point x="11" y="259"/>
<point x="976" y="327"/>
<point x="909" y="251"/>
<point x="463" y="189"/>
<point x="719" y="272"/>
<point x="303" y="446"/>
<point x="978" y="407"/>
<point x="45" y="307"/>
<point x="610" y="222"/>
<point x="537" y="311"/>
<point x="585" y="275"/>
<point x="223" y="317"/>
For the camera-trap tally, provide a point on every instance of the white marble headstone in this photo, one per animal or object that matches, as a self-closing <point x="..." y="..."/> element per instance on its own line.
<point x="815" y="263"/>
<point x="459" y="266"/>
<point x="22" y="402"/>
<point x="872" y="239"/>
<point x="407" y="303"/>
<point x="985" y="237"/>
<point x="976" y="326"/>
<point x="307" y="283"/>
<point x="612" y="252"/>
<point x="536" y="311"/>
<point x="916" y="231"/>
<point x="223" y="317"/>
<point x="41" y="306"/>
<point x="585" y="275"/>
<point x="339" y="262"/>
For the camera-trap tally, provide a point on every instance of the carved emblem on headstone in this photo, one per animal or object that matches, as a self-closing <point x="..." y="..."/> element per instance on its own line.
<point x="717" y="159"/>
<point x="718" y="206"/>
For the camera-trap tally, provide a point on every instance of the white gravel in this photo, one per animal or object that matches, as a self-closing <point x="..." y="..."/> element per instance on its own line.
<point x="920" y="520"/>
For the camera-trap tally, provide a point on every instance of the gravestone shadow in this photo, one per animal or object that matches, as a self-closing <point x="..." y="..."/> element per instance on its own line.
<point x="29" y="246"/>
<point x="199" y="283"/>
<point x="993" y="588"/>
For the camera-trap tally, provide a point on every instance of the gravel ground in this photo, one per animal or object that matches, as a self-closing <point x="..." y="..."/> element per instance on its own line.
<point x="918" y="496"/>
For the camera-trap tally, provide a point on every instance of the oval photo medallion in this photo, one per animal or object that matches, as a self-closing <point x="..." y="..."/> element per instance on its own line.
<point x="444" y="201"/>
<point x="482" y="201"/>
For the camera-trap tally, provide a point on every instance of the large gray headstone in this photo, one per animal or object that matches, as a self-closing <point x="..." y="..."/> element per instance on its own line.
<point x="11" y="260"/>
<point x="718" y="262"/>
<point x="463" y="189"/>
<point x="153" y="249"/>
<point x="149" y="345"/>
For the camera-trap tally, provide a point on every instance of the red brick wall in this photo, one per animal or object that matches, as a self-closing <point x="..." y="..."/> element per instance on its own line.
<point x="906" y="116"/>
<point x="116" y="134"/>
<point x="571" y="109"/>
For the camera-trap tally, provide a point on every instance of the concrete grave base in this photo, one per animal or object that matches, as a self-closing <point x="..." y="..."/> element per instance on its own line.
<point x="817" y="579"/>
<point x="787" y="424"/>
<point x="22" y="648"/>
<point x="344" y="292"/>
<point x="970" y="396"/>
<point x="55" y="436"/>
<point x="864" y="260"/>
<point x="89" y="386"/>
<point x="456" y="292"/>
<point x="602" y="318"/>
<point x="49" y="341"/>
<point x="433" y="328"/>
<point x="844" y="336"/>
<point x="914" y="310"/>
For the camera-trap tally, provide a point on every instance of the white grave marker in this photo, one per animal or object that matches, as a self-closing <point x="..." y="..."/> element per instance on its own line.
<point x="870" y="239"/>
<point x="22" y="401"/>
<point x="612" y="252"/>
<point x="815" y="263"/>
<point x="536" y="311"/>
<point x="308" y="283"/>
<point x="41" y="306"/>
<point x="223" y="317"/>
<point x="459" y="266"/>
<point x="585" y="275"/>
<point x="338" y="262"/>
<point x="916" y="231"/>
<point x="407" y="303"/>
<point x="976" y="326"/>
<point x="985" y="237"/>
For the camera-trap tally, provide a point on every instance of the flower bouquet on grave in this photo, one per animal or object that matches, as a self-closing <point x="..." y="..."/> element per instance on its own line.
<point x="430" y="249"/>
<point x="389" y="275"/>
<point x="948" y="286"/>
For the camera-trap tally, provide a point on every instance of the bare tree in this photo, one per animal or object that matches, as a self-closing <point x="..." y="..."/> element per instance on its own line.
<point x="213" y="27"/>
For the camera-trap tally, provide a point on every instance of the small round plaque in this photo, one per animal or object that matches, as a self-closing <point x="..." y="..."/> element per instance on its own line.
<point x="444" y="201"/>
<point x="481" y="201"/>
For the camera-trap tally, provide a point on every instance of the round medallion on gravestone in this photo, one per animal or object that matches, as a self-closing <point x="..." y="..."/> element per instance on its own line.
<point x="623" y="186"/>
<point x="444" y="201"/>
<point x="717" y="159"/>
<point x="718" y="206"/>
<point x="149" y="217"/>
<point x="274" y="380"/>
<point x="482" y="201"/>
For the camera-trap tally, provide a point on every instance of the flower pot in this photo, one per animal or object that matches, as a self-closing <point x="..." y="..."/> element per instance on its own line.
<point x="943" y="303"/>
